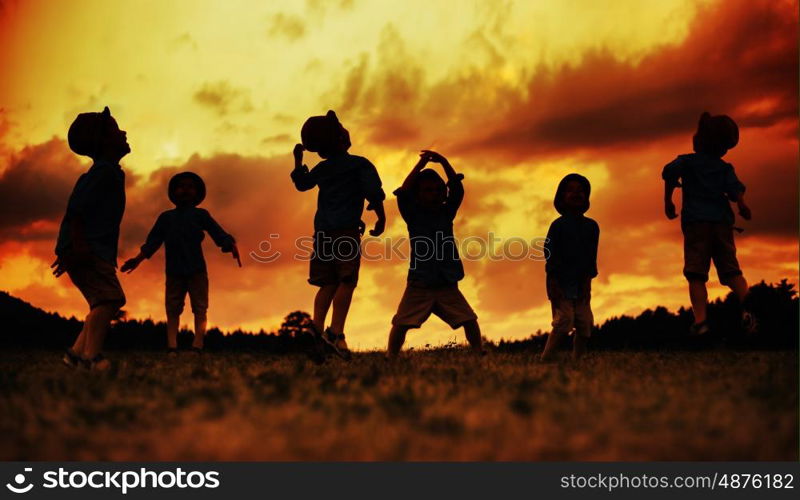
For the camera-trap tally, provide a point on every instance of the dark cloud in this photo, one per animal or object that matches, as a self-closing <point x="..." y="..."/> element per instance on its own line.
<point x="34" y="189"/>
<point x="222" y="98"/>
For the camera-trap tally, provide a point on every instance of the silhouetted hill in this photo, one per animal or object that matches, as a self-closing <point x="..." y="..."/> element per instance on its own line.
<point x="775" y="305"/>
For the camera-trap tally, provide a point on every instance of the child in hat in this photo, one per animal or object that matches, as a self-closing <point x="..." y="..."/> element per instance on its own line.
<point x="181" y="230"/>
<point x="571" y="252"/>
<point x="87" y="240"/>
<point x="709" y="186"/>
<point x="345" y="181"/>
<point x="428" y="205"/>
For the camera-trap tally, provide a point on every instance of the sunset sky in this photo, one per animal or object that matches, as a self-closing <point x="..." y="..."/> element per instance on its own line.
<point x="515" y="94"/>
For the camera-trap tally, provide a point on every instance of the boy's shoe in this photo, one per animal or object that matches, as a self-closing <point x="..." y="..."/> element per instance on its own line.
<point x="749" y="323"/>
<point x="99" y="364"/>
<point x="196" y="350"/>
<point x="71" y="359"/>
<point x="336" y="343"/>
<point x="698" y="329"/>
<point x="172" y="352"/>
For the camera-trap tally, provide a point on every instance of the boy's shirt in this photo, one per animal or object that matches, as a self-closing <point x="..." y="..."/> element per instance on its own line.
<point x="708" y="183"/>
<point x="344" y="181"/>
<point x="181" y="230"/>
<point x="571" y="250"/>
<point x="98" y="198"/>
<point x="434" y="253"/>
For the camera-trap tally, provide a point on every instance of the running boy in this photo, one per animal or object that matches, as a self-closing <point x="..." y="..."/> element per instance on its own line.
<point x="344" y="182"/>
<point x="571" y="252"/>
<point x="87" y="240"/>
<point x="429" y="206"/>
<point x="709" y="186"/>
<point x="181" y="230"/>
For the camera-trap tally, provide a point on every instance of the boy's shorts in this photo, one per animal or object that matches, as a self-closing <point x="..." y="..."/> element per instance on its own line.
<point x="707" y="241"/>
<point x="97" y="282"/>
<point x="573" y="313"/>
<point x="176" y="288"/>
<point x="419" y="302"/>
<point x="336" y="258"/>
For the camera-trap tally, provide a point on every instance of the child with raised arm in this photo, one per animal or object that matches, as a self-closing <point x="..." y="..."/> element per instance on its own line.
<point x="87" y="240"/>
<point x="428" y="205"/>
<point x="182" y="230"/>
<point x="709" y="186"/>
<point x="571" y="253"/>
<point x="345" y="181"/>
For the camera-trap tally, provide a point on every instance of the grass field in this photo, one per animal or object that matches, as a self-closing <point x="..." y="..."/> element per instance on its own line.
<point x="433" y="405"/>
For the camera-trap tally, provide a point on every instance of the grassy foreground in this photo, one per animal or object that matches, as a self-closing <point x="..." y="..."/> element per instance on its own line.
<point x="433" y="405"/>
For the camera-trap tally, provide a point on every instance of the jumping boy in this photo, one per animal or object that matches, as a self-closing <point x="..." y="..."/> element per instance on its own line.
<point x="344" y="182"/>
<point x="429" y="206"/>
<point x="87" y="240"/>
<point x="571" y="252"/>
<point x="181" y="230"/>
<point x="709" y="186"/>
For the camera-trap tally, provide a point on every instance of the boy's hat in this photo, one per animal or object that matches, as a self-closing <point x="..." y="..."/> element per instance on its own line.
<point x="715" y="134"/>
<point x="86" y="132"/>
<point x="558" y="201"/>
<point x="200" y="186"/>
<point x="323" y="133"/>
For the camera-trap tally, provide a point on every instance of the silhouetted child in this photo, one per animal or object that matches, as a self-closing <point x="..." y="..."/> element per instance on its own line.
<point x="344" y="182"/>
<point x="182" y="230"/>
<point x="709" y="186"/>
<point x="571" y="252"/>
<point x="429" y="206"/>
<point x="87" y="240"/>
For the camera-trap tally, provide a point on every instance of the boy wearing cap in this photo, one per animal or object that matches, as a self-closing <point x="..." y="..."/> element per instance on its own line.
<point x="345" y="181"/>
<point x="571" y="253"/>
<point x="429" y="206"/>
<point x="87" y="240"/>
<point x="709" y="186"/>
<point x="182" y="230"/>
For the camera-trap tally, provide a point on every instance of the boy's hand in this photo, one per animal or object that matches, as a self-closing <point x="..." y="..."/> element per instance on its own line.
<point x="130" y="265"/>
<point x="433" y="156"/>
<point x="235" y="252"/>
<point x="298" y="154"/>
<point x="669" y="209"/>
<point x="58" y="267"/>
<point x="380" y="225"/>
<point x="744" y="211"/>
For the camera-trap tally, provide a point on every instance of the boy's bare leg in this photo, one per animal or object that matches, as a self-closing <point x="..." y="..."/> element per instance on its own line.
<point x="473" y="333"/>
<point x="200" y="322"/>
<point x="738" y="285"/>
<point x="397" y="337"/>
<point x="698" y="295"/>
<point x="553" y="340"/>
<point x="322" y="302"/>
<point x="579" y="345"/>
<point x="173" y="321"/>
<point x="80" y="343"/>
<point x="341" y="306"/>
<point x="98" y="321"/>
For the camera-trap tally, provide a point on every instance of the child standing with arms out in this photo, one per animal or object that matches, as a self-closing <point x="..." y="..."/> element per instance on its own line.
<point x="181" y="230"/>
<point x="571" y="252"/>
<point x="87" y="240"/>
<point x="709" y="186"/>
<point x="345" y="181"/>
<point x="429" y="206"/>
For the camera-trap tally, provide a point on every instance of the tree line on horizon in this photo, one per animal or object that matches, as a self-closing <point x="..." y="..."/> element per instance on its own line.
<point x="775" y="306"/>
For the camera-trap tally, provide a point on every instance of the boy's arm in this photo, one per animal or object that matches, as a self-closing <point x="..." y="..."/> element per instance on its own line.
<point x="671" y="174"/>
<point x="302" y="178"/>
<point x="371" y="187"/>
<point x="455" y="191"/>
<point x="551" y="266"/>
<point x="223" y="240"/>
<point x="409" y="180"/>
<point x="154" y="240"/>
<point x="735" y="191"/>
